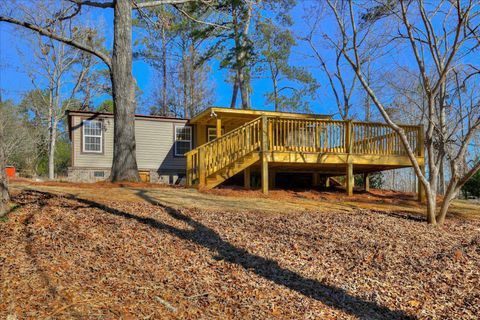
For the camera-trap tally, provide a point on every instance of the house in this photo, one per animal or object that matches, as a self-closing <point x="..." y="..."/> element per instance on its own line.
<point x="220" y="143"/>
<point x="161" y="144"/>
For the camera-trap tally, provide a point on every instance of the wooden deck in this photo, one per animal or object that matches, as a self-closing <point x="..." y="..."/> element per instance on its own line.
<point x="320" y="146"/>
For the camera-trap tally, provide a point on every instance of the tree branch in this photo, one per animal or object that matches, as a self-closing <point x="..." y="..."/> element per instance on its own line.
<point x="95" y="4"/>
<point x="44" y="32"/>
<point x="149" y="4"/>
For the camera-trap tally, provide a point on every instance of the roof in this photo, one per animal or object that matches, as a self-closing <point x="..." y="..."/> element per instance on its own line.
<point x="207" y="114"/>
<point x="110" y="114"/>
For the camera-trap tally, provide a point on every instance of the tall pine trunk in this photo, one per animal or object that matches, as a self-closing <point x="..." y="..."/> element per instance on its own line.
<point x="124" y="166"/>
<point x="233" y="102"/>
<point x="4" y="195"/>
<point x="241" y="56"/>
<point x="164" y="73"/>
<point x="186" y="109"/>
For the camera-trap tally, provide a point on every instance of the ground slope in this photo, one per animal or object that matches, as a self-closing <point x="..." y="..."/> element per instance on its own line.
<point x="73" y="257"/>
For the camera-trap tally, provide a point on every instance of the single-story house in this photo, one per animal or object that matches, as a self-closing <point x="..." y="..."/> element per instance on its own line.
<point x="161" y="144"/>
<point x="219" y="143"/>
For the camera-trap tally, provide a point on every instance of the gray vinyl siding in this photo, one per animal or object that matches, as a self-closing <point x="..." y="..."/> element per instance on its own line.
<point x="155" y="145"/>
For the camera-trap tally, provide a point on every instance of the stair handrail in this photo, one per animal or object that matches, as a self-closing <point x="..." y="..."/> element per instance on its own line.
<point x="199" y="164"/>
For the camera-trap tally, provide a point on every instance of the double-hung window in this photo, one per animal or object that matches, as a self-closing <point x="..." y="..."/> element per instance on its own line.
<point x="183" y="140"/>
<point x="93" y="136"/>
<point x="212" y="133"/>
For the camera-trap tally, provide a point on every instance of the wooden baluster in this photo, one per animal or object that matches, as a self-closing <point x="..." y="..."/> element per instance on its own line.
<point x="327" y="136"/>
<point x="294" y="138"/>
<point x="282" y="135"/>
<point x="277" y="135"/>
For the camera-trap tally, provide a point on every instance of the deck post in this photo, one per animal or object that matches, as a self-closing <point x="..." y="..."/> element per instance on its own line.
<point x="366" y="182"/>
<point x="188" y="181"/>
<point x="421" y="153"/>
<point x="421" y="190"/>
<point x="219" y="128"/>
<point x="348" y="137"/>
<point x="264" y="174"/>
<point x="246" y="178"/>
<point x="264" y="148"/>
<point x="349" y="179"/>
<point x="202" y="174"/>
<point x="327" y="182"/>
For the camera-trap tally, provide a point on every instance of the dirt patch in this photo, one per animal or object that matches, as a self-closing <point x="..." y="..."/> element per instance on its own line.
<point x="69" y="257"/>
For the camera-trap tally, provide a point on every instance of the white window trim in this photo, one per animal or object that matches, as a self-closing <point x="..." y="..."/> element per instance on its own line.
<point x="89" y="135"/>
<point x="175" y="140"/>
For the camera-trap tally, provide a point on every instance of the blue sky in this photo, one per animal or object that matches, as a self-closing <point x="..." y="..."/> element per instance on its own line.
<point x="14" y="81"/>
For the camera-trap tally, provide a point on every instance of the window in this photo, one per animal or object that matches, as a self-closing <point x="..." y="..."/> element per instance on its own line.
<point x="183" y="140"/>
<point x="212" y="133"/>
<point x="98" y="174"/>
<point x="92" y="136"/>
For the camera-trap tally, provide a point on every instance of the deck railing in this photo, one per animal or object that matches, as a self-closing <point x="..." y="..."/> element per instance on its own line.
<point x="306" y="135"/>
<point x="379" y="138"/>
<point x="299" y="135"/>
<point x="335" y="136"/>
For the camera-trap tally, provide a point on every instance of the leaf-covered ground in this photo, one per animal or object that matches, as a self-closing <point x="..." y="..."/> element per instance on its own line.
<point x="64" y="257"/>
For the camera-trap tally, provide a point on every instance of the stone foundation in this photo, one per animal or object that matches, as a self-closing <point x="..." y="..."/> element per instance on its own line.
<point x="102" y="174"/>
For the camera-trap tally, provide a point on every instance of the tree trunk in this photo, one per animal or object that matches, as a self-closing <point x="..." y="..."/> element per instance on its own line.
<point x="4" y="195"/>
<point x="193" y="99"/>
<point x="233" y="103"/>
<point x="275" y="93"/>
<point x="124" y="166"/>
<point x="450" y="194"/>
<point x="441" y="181"/>
<point x="186" y="109"/>
<point x="52" y="139"/>
<point x="240" y="57"/>
<point x="164" y="73"/>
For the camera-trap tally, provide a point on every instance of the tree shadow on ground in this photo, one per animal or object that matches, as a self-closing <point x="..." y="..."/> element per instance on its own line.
<point x="41" y="200"/>
<point x="266" y="268"/>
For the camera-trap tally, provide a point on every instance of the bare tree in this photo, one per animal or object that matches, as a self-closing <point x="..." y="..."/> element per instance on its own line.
<point x="51" y="70"/>
<point x="340" y="82"/>
<point x="435" y="56"/>
<point x="4" y="193"/>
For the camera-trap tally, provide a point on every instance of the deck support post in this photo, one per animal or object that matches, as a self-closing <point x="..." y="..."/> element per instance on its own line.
<point x="219" y="128"/>
<point x="264" y="150"/>
<point x="327" y="182"/>
<point x="421" y="190"/>
<point x="202" y="175"/>
<point x="247" y="178"/>
<point x="264" y="174"/>
<point x="349" y="179"/>
<point x="315" y="179"/>
<point x="366" y="182"/>
<point x="188" y="176"/>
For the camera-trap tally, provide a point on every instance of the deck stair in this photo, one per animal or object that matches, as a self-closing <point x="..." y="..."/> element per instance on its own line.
<point x="335" y="182"/>
<point x="232" y="169"/>
<point x="214" y="162"/>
